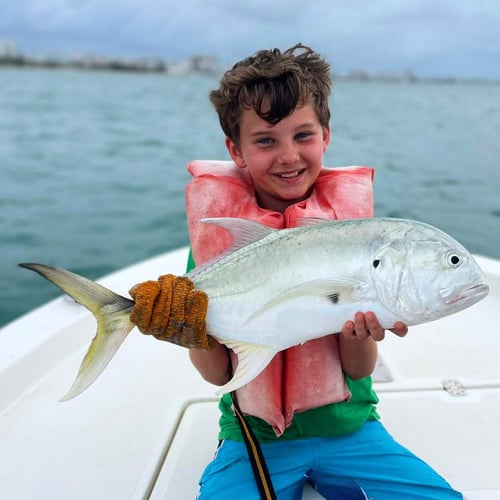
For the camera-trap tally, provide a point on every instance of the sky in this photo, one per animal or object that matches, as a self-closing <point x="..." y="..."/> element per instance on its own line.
<point x="430" y="38"/>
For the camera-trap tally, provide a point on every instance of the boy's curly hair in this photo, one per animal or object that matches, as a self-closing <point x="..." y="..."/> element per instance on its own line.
<point x="273" y="83"/>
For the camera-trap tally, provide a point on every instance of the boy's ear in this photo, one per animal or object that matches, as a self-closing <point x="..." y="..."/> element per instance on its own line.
<point x="326" y="138"/>
<point x="235" y="153"/>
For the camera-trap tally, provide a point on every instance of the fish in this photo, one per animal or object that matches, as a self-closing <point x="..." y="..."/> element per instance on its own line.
<point x="274" y="289"/>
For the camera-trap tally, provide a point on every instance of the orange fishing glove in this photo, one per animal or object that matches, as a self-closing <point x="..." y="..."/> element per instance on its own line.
<point x="171" y="309"/>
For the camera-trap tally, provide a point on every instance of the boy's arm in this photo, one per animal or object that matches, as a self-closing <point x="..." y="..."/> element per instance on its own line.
<point x="358" y="343"/>
<point x="214" y="365"/>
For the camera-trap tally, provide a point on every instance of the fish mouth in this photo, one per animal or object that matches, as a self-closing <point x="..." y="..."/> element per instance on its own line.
<point x="471" y="294"/>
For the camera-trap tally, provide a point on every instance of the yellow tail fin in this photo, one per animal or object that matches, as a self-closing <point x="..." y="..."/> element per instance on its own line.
<point x="111" y="310"/>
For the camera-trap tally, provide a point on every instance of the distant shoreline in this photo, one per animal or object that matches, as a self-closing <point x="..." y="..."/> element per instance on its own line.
<point x="196" y="64"/>
<point x="205" y="65"/>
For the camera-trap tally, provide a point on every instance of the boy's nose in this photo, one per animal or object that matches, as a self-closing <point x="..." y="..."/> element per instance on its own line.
<point x="288" y="156"/>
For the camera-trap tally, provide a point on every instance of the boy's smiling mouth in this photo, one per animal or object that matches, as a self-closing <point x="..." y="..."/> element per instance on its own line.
<point x="290" y="175"/>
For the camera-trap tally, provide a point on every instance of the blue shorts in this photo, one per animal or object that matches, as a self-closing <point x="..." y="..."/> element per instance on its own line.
<point x="366" y="464"/>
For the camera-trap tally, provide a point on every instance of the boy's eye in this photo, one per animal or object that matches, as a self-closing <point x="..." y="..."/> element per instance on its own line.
<point x="302" y="135"/>
<point x="265" y="141"/>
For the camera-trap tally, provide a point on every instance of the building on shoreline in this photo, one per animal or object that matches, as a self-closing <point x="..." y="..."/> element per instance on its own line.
<point x="201" y="64"/>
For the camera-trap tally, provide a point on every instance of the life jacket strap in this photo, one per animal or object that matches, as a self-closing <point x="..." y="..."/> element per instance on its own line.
<point x="259" y="466"/>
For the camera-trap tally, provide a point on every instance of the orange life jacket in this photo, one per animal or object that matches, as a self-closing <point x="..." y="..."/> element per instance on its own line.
<point x="305" y="376"/>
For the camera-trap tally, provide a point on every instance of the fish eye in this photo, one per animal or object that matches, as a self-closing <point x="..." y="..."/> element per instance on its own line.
<point x="454" y="260"/>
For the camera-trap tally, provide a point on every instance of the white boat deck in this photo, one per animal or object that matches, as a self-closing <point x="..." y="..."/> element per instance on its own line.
<point x="148" y="425"/>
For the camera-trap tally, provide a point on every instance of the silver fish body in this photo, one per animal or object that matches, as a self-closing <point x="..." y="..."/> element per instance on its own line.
<point x="275" y="289"/>
<point x="283" y="288"/>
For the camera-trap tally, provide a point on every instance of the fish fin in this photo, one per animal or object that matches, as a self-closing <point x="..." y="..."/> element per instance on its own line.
<point x="243" y="231"/>
<point x="311" y="221"/>
<point x="252" y="359"/>
<point x="112" y="312"/>
<point x="335" y="291"/>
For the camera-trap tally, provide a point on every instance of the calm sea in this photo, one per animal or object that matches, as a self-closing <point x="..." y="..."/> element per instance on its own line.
<point x="92" y="165"/>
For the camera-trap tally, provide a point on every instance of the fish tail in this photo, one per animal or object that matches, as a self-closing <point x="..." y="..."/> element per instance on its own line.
<point x="111" y="311"/>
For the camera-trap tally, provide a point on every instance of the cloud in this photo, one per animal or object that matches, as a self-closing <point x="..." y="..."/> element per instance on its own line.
<point x="427" y="36"/>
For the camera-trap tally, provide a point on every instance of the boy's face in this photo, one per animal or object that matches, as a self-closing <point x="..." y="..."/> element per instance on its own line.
<point x="284" y="159"/>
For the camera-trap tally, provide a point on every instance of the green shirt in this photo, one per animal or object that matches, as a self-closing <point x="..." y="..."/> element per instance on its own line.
<point x="331" y="420"/>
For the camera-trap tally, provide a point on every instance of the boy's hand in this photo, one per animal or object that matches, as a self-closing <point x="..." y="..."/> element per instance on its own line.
<point x="366" y="325"/>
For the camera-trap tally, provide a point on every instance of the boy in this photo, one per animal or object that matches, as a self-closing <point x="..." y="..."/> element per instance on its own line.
<point x="313" y="408"/>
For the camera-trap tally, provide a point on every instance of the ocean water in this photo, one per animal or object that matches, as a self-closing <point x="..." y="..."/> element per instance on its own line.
<point x="92" y="165"/>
